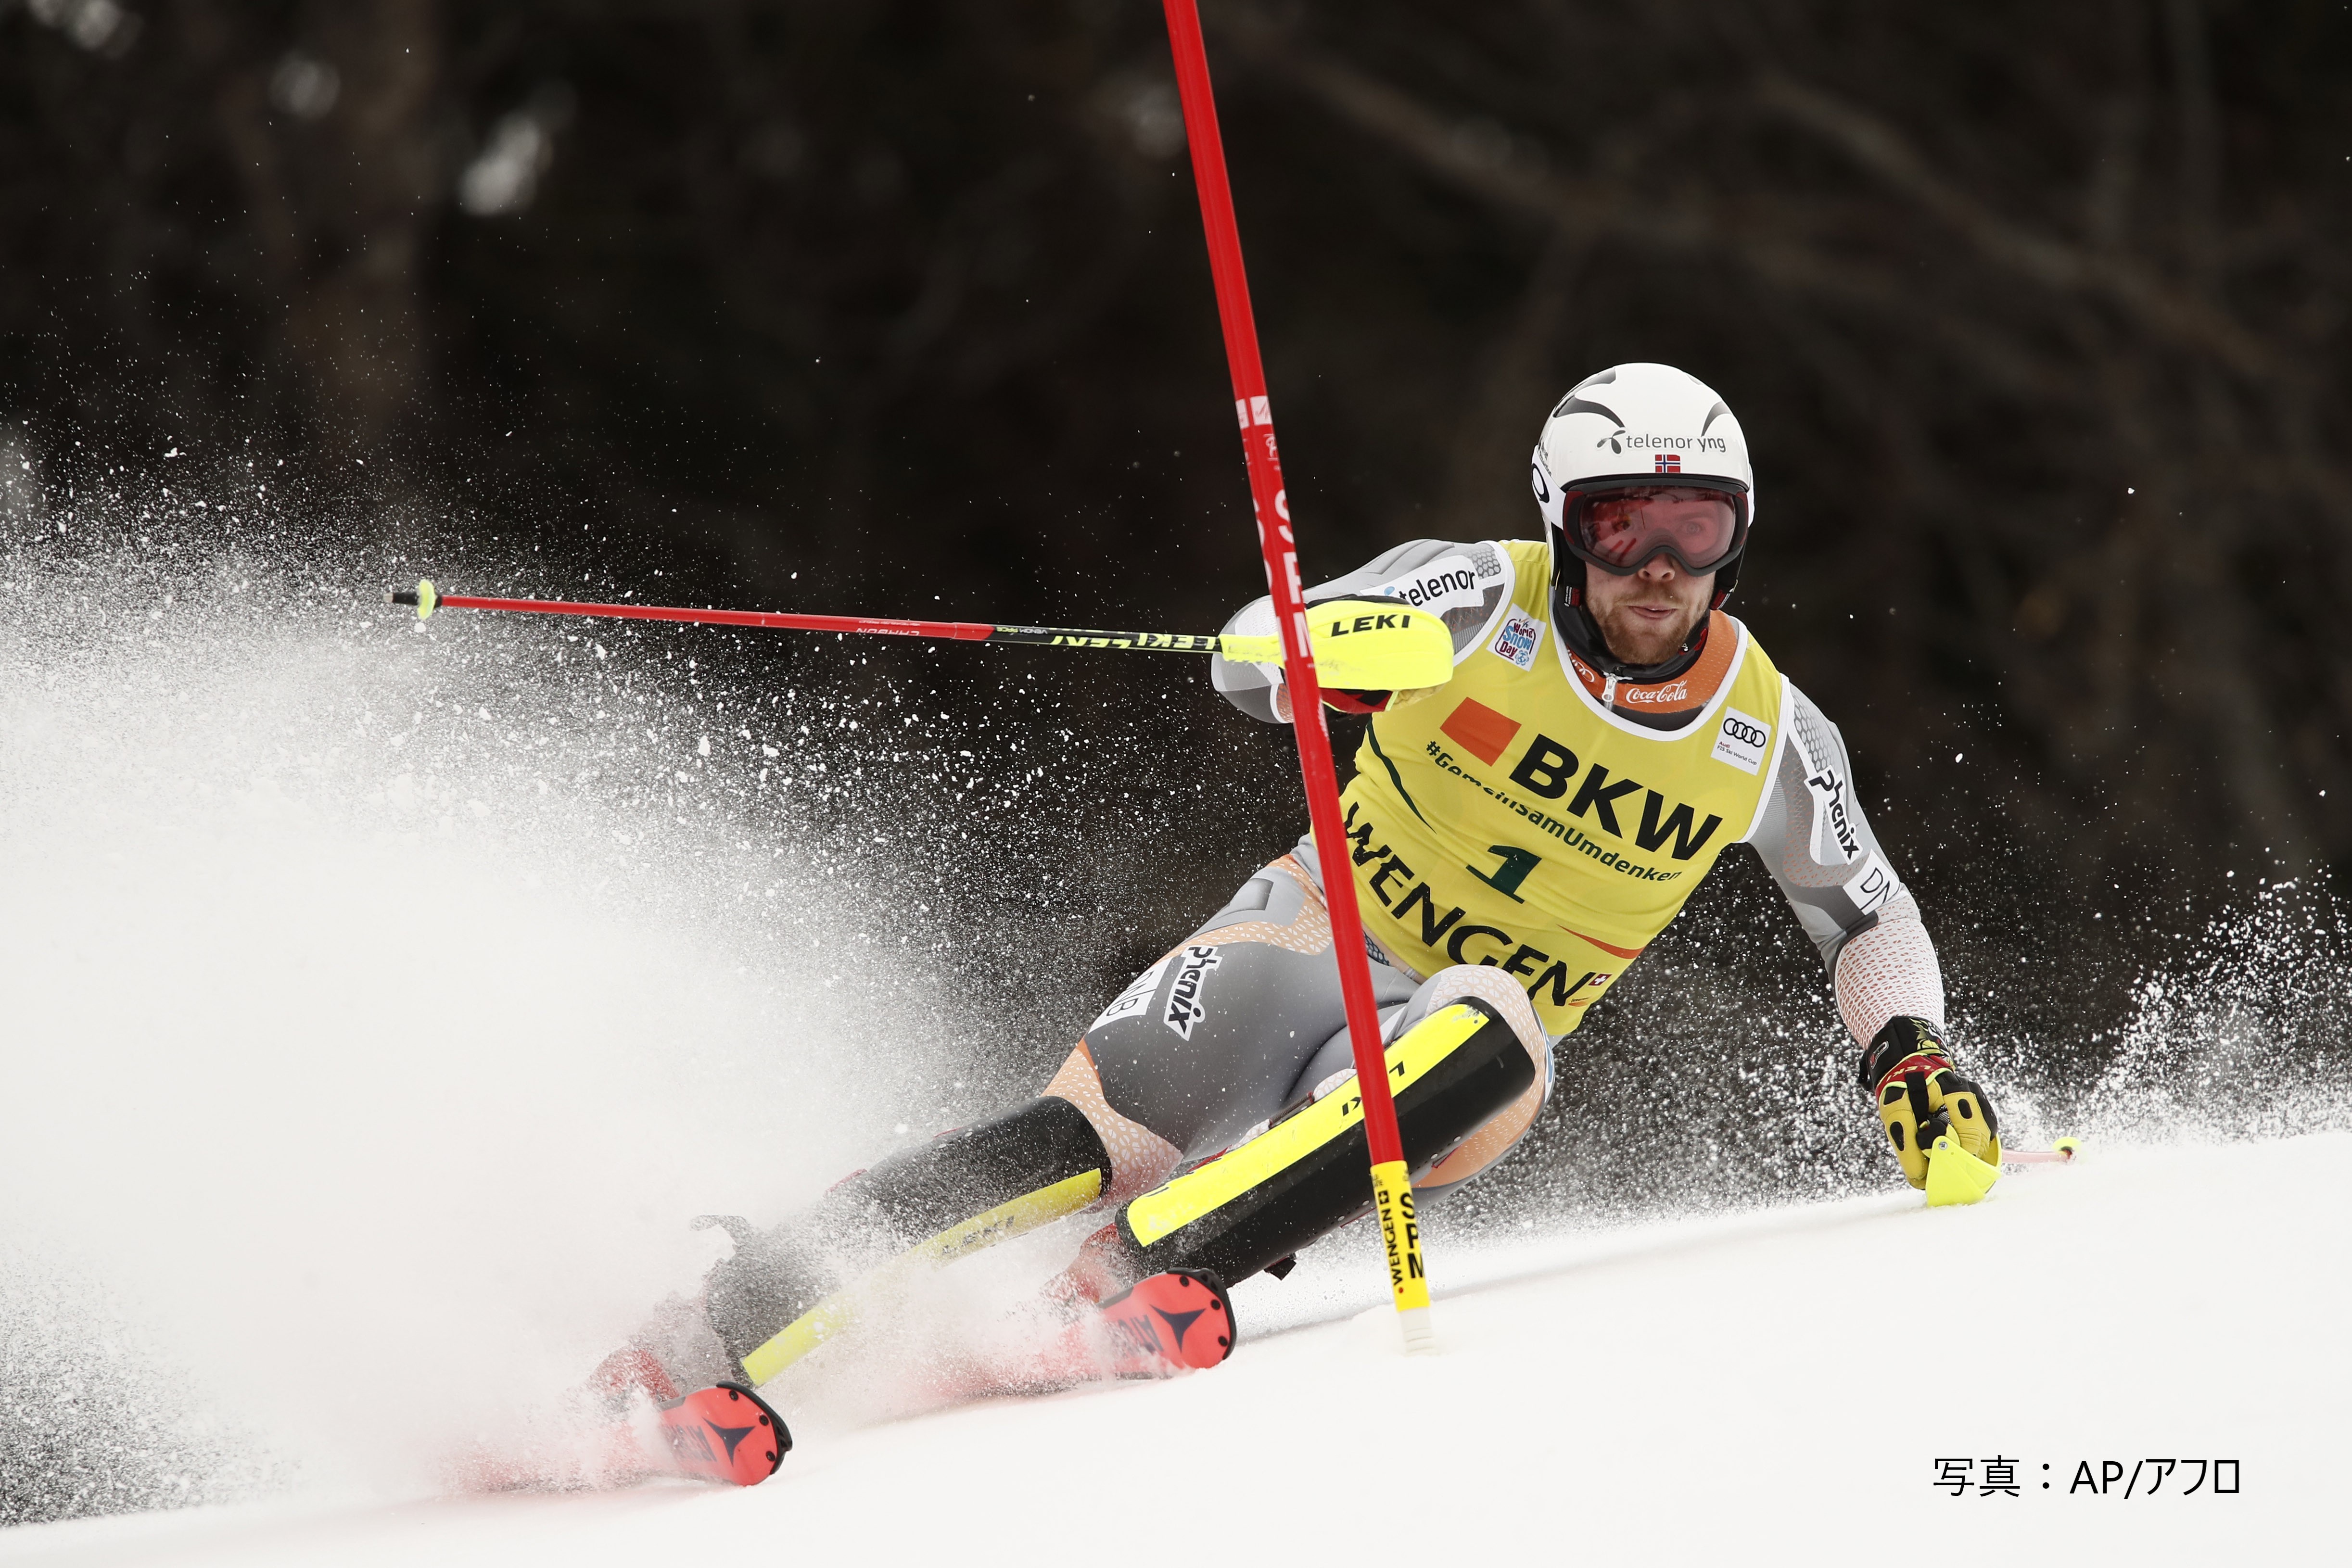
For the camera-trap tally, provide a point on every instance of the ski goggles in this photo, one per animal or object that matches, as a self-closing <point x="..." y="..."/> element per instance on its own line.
<point x="1623" y="529"/>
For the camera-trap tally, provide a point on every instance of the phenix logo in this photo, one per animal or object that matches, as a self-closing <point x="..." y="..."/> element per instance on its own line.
<point x="1184" y="1008"/>
<point x="1832" y="789"/>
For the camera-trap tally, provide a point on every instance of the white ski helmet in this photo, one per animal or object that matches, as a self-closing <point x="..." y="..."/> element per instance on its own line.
<point x="1648" y="430"/>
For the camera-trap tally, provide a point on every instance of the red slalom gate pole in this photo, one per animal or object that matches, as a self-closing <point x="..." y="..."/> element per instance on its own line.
<point x="1392" y="1184"/>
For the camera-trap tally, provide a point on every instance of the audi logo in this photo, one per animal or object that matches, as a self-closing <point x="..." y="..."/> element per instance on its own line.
<point x="1747" y="734"/>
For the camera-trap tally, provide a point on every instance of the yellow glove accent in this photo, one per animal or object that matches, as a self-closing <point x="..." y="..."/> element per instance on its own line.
<point x="1410" y="696"/>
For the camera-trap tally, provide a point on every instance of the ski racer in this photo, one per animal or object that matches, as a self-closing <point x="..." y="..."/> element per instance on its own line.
<point x="1518" y="835"/>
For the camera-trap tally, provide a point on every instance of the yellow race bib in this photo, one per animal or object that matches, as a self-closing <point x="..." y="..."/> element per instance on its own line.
<point x="1508" y="819"/>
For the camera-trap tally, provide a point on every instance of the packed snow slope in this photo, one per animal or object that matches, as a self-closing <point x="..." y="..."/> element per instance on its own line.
<point x="1777" y="1387"/>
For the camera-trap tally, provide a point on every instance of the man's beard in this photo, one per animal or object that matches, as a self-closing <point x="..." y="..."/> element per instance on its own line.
<point x="1638" y="642"/>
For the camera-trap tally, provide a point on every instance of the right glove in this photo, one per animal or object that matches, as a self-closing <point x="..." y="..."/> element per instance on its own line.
<point x="1921" y="1097"/>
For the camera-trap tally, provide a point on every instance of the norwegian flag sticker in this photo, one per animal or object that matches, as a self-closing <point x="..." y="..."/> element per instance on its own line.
<point x="1670" y="462"/>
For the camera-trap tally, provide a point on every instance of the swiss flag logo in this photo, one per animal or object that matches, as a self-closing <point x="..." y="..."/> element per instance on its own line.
<point x="1670" y="462"/>
<point x="1481" y="731"/>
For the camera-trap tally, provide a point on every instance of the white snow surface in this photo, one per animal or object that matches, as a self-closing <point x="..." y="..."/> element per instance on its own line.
<point x="1772" y="1386"/>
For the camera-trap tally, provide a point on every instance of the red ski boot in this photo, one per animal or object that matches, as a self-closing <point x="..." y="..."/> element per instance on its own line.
<point x="725" y="1434"/>
<point x="628" y="1370"/>
<point x="1172" y="1322"/>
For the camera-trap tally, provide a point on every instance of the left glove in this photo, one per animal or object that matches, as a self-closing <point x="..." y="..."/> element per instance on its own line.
<point x="1922" y="1097"/>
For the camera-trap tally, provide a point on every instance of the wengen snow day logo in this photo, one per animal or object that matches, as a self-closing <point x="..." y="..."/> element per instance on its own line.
<point x="1184" y="1008"/>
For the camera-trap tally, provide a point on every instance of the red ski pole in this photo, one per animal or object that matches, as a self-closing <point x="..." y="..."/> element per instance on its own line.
<point x="428" y="599"/>
<point x="1403" y="648"/>
<point x="1392" y="1187"/>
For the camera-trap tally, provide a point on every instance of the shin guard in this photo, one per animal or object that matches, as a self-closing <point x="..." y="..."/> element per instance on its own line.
<point x="777" y="1297"/>
<point x="1308" y="1173"/>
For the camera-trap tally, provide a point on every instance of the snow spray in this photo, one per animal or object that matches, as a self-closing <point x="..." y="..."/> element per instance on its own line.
<point x="383" y="1002"/>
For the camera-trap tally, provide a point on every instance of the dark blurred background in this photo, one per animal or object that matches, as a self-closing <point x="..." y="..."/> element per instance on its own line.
<point x="2034" y="316"/>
